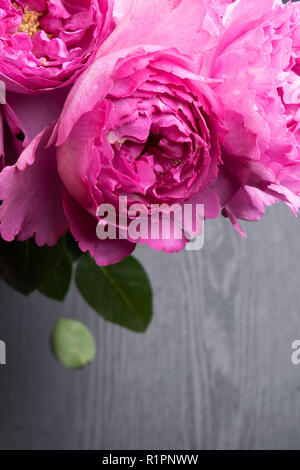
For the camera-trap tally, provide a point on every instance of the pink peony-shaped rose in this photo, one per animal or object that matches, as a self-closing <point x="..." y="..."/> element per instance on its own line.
<point x="250" y="52"/>
<point x="140" y="122"/>
<point x="290" y="91"/>
<point x="261" y="158"/>
<point x="45" y="44"/>
<point x="186" y="104"/>
<point x="149" y="129"/>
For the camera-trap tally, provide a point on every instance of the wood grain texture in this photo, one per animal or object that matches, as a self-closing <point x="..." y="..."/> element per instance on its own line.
<point x="213" y="371"/>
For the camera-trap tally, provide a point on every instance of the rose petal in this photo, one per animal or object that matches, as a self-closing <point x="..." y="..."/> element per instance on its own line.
<point x="83" y="227"/>
<point x="31" y="192"/>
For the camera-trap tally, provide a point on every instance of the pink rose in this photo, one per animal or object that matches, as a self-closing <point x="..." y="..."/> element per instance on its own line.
<point x="185" y="104"/>
<point x="261" y="159"/>
<point x="289" y="92"/>
<point x="148" y="129"/>
<point x="46" y="44"/>
<point x="144" y="123"/>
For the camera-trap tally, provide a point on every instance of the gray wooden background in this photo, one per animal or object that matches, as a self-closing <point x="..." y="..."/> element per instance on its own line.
<point x="213" y="371"/>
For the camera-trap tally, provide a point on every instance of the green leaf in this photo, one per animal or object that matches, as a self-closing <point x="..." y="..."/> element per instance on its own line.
<point x="58" y="283"/>
<point x="121" y="293"/>
<point x="72" y="343"/>
<point x="72" y="247"/>
<point x="25" y="266"/>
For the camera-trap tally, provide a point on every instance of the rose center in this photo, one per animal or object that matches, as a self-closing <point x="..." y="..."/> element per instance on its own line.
<point x="30" y="22"/>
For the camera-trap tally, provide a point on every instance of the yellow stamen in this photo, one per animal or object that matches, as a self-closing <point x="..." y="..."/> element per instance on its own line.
<point x="30" y="22"/>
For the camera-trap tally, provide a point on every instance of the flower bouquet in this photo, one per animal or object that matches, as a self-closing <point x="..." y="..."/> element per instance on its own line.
<point x="132" y="122"/>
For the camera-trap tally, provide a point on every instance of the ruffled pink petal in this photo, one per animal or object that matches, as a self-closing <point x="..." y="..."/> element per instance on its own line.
<point x="235" y="223"/>
<point x="31" y="192"/>
<point x="83" y="227"/>
<point x="171" y="23"/>
<point x="168" y="246"/>
<point x="249" y="203"/>
<point x="211" y="201"/>
<point x="85" y="94"/>
<point x="74" y="158"/>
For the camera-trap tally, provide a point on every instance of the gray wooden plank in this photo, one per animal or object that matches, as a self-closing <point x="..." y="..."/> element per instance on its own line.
<point x="212" y="372"/>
